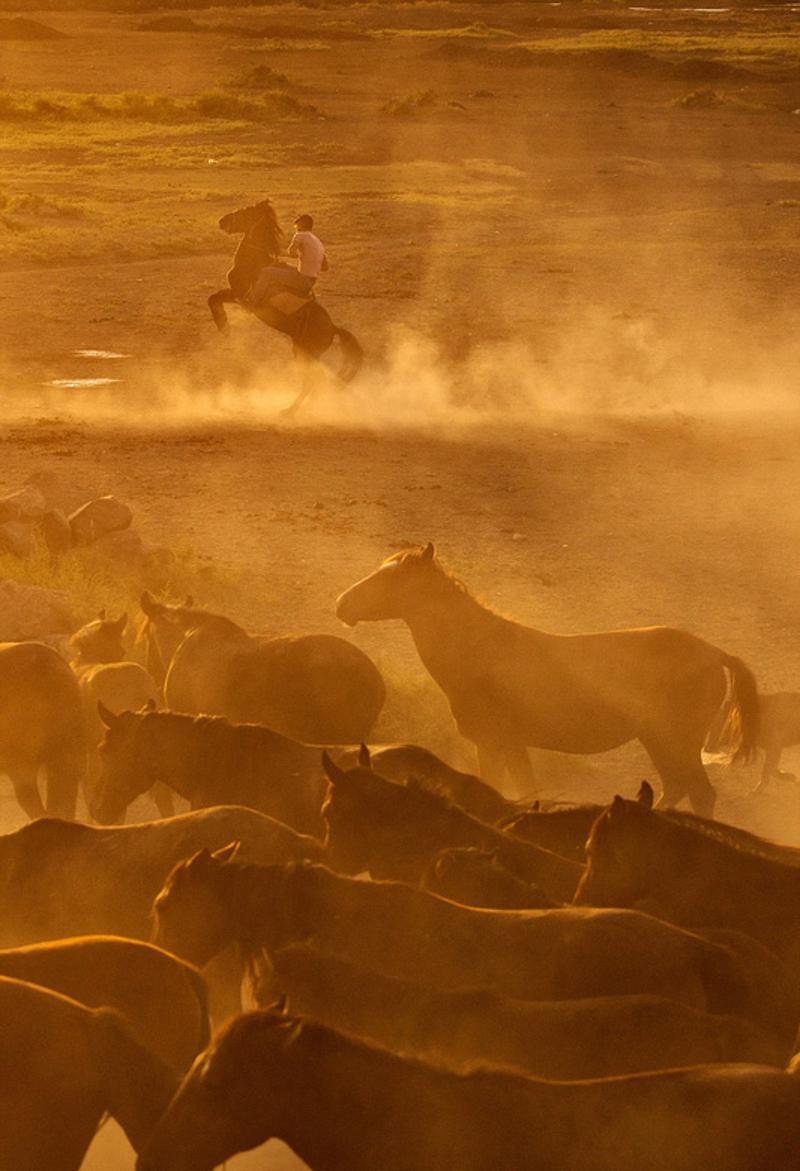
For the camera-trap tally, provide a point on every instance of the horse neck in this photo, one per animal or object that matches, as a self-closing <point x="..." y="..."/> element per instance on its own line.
<point x="447" y="625"/>
<point x="339" y="1092"/>
<point x="136" y="1085"/>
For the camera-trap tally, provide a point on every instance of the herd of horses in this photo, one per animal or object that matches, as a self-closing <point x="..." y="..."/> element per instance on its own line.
<point x="408" y="966"/>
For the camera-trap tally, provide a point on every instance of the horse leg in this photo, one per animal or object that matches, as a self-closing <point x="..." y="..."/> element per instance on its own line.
<point x="65" y="771"/>
<point x="682" y="774"/>
<point x="24" y="778"/>
<point x="216" y="303"/>
<point x="164" y="799"/>
<point x="520" y="771"/>
<point x="492" y="763"/>
<point x="304" y="360"/>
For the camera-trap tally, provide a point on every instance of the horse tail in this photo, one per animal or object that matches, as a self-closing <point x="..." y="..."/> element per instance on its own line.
<point x="352" y="353"/>
<point x="741" y="725"/>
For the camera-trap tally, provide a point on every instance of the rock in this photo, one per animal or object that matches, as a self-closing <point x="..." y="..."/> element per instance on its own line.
<point x="125" y="547"/>
<point x="16" y="537"/>
<point x="56" y="531"/>
<point x="60" y="493"/>
<point x="104" y="515"/>
<point x="32" y="612"/>
<point x="25" y="504"/>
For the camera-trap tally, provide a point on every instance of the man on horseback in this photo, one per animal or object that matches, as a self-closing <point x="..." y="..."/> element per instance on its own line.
<point x="309" y="251"/>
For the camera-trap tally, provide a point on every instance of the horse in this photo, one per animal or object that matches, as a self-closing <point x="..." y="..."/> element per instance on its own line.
<point x="637" y="855"/>
<point x="208" y="761"/>
<point x="398" y="762"/>
<point x="477" y="878"/>
<point x="209" y="903"/>
<point x="163" y="1000"/>
<point x="511" y="687"/>
<point x="105" y="676"/>
<point x="565" y="1039"/>
<point x="62" y="1067"/>
<point x="306" y="323"/>
<point x="394" y="831"/>
<point x="315" y="688"/>
<point x="779" y="728"/>
<point x="41" y="727"/>
<point x="59" y="878"/>
<point x="342" y="1104"/>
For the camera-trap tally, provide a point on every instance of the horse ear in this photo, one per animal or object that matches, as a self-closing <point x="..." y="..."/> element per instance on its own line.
<point x="293" y="1029"/>
<point x="101" y="614"/>
<point x="121" y="622"/>
<point x="106" y="714"/>
<point x="279" y="1006"/>
<point x="150" y="706"/>
<point x="429" y="552"/>
<point x="149" y="605"/>
<point x="535" y="806"/>
<point x="188" y="601"/>
<point x="334" y="774"/>
<point x="364" y="758"/>
<point x="226" y="853"/>
<point x="645" y="795"/>
<point x="617" y="806"/>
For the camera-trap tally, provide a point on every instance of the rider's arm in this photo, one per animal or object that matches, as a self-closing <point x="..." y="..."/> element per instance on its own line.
<point x="294" y="248"/>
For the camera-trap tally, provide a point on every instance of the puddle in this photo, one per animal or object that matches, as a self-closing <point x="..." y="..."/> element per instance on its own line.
<point x="106" y="354"/>
<point x="81" y="383"/>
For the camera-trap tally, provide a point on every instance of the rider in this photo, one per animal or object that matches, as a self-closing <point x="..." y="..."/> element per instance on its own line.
<point x="309" y="251"/>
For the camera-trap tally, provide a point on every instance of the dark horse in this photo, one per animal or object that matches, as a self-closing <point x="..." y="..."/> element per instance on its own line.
<point x="511" y="686"/>
<point x="310" y="327"/>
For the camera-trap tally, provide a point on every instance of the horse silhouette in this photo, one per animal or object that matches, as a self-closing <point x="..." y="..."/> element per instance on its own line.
<point x="309" y="327"/>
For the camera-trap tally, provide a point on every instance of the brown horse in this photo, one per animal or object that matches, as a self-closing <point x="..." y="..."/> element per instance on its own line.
<point x="62" y="1067"/>
<point x="461" y="1027"/>
<point x="398" y="762"/>
<point x="303" y="320"/>
<point x="209" y="903"/>
<point x="41" y="728"/>
<point x="637" y="855"/>
<point x="511" y="686"/>
<point x="344" y="1105"/>
<point x="395" y="831"/>
<point x="106" y="677"/>
<point x="315" y="688"/>
<point x="477" y="878"/>
<point x="59" y="878"/>
<point x="163" y="999"/>
<point x="779" y="729"/>
<point x="208" y="761"/>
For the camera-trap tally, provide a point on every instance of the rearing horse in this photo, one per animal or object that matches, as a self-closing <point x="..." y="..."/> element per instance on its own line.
<point x="310" y="328"/>
<point x="511" y="687"/>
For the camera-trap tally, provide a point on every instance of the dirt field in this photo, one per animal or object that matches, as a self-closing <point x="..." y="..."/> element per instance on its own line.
<point x="567" y="236"/>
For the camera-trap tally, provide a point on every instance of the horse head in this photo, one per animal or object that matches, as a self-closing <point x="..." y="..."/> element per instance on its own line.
<point x="619" y="850"/>
<point x="128" y="764"/>
<point x="100" y="641"/>
<point x="389" y="592"/>
<point x="192" y="915"/>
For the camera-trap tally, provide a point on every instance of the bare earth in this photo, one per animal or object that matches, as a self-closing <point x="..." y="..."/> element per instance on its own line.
<point x="575" y="280"/>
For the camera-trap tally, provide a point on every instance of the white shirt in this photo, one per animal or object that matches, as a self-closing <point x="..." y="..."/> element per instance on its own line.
<point x="310" y="253"/>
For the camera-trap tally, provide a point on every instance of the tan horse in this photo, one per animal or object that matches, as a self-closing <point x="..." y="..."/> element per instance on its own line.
<point x="344" y="1105"/>
<point x="512" y="687"/>
<point x="41" y="727"/>
<point x="107" y="678"/>
<point x="316" y="688"/>
<point x="62" y="1067"/>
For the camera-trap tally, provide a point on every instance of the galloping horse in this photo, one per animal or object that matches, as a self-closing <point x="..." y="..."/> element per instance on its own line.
<point x="511" y="686"/>
<point x="310" y="328"/>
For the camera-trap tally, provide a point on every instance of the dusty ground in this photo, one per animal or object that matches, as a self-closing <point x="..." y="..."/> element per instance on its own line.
<point x="574" y="269"/>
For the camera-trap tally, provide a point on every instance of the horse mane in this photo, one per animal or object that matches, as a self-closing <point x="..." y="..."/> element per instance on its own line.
<point x="731" y="835"/>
